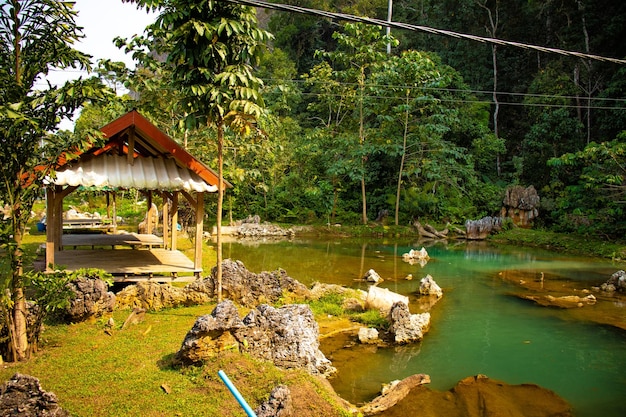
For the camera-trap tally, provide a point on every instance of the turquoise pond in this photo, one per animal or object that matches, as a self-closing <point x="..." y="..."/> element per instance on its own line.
<point x="477" y="328"/>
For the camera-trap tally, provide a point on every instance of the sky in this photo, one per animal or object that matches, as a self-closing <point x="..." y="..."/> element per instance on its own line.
<point x="102" y="21"/>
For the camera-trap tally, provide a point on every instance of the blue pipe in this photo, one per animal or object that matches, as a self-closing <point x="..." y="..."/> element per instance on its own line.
<point x="233" y="390"/>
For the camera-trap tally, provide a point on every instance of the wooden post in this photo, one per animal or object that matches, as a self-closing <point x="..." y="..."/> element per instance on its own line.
<point x="174" y="209"/>
<point x="149" y="214"/>
<point x="50" y="227"/>
<point x="166" y="222"/>
<point x="199" y="229"/>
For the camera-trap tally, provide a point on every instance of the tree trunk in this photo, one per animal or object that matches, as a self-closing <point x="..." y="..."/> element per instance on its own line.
<point x="362" y="141"/>
<point x="494" y="21"/>
<point x="404" y="137"/>
<point x="19" y="312"/>
<point x="220" y="199"/>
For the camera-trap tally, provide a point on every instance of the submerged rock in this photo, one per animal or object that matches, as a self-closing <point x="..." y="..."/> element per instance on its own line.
<point x="393" y="393"/>
<point x="480" y="396"/>
<point x="368" y="335"/>
<point x="23" y="396"/>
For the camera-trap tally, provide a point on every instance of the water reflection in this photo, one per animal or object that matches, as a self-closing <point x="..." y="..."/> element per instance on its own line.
<point x="478" y="327"/>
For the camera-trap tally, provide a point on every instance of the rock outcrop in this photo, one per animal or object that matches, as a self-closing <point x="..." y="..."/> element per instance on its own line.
<point x="152" y="296"/>
<point x="287" y="336"/>
<point x="406" y="327"/>
<point x="372" y="276"/>
<point x="92" y="298"/>
<point x="520" y="205"/>
<point x="247" y="288"/>
<point x="23" y="396"/>
<point x="480" y="229"/>
<point x="416" y="256"/>
<point x="429" y="287"/>
<point x="278" y="405"/>
<point x="617" y="282"/>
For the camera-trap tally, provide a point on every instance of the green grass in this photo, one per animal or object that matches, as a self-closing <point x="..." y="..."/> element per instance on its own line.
<point x="561" y="242"/>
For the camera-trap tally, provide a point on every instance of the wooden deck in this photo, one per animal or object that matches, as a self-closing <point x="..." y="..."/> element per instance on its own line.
<point x="131" y="264"/>
<point x="120" y="239"/>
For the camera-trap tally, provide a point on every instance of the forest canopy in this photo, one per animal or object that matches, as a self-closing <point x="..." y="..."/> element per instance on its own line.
<point x="435" y="129"/>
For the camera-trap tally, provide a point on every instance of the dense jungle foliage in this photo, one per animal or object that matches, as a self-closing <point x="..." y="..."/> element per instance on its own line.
<point x="437" y="129"/>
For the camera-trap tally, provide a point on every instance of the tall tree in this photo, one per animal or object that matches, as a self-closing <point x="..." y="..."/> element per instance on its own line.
<point x="36" y="36"/>
<point x="211" y="47"/>
<point x="360" y="48"/>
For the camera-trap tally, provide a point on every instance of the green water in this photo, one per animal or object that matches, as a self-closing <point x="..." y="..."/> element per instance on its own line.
<point x="477" y="328"/>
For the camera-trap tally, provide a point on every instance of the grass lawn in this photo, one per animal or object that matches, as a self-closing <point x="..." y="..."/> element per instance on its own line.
<point x="130" y="372"/>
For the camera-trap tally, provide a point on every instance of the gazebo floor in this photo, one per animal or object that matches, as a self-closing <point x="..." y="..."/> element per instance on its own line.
<point x="131" y="264"/>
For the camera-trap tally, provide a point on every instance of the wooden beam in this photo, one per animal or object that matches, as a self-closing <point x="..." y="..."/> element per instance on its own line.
<point x="197" y="264"/>
<point x="131" y="146"/>
<point x="189" y="197"/>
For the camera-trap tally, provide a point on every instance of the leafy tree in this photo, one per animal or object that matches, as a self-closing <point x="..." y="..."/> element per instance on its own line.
<point x="36" y="36"/>
<point x="211" y="47"/>
<point x="360" y="48"/>
<point x="594" y="201"/>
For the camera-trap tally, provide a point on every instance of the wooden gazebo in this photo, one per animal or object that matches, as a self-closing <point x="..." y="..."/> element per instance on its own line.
<point x="136" y="155"/>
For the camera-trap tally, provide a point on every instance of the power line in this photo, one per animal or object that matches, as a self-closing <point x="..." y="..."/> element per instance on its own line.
<point x="419" y="28"/>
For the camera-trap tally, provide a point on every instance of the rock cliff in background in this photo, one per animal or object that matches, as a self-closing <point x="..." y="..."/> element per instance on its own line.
<point x="23" y="396"/>
<point x="520" y="205"/>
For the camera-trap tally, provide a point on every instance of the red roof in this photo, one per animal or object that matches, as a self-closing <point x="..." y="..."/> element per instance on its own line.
<point x="147" y="141"/>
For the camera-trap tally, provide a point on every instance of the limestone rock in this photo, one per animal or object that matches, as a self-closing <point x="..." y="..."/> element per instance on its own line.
<point x="23" y="396"/>
<point x="382" y="299"/>
<point x="250" y="289"/>
<point x="372" y="276"/>
<point x="617" y="282"/>
<point x="429" y="287"/>
<point x="416" y="254"/>
<point x="480" y="229"/>
<point x="287" y="336"/>
<point x="152" y="296"/>
<point x="520" y="205"/>
<point x="407" y="327"/>
<point x="368" y="335"/>
<point x="92" y="298"/>
<point x="278" y="405"/>
<point x="211" y="334"/>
